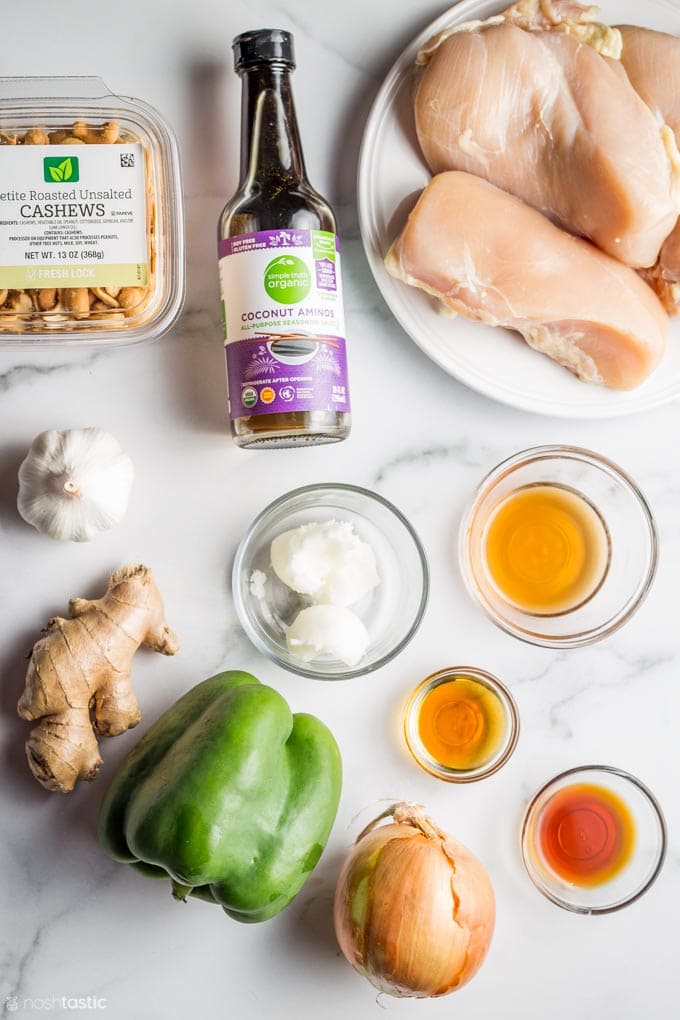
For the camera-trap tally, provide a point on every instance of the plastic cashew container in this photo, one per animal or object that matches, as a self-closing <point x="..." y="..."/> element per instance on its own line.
<point x="91" y="229"/>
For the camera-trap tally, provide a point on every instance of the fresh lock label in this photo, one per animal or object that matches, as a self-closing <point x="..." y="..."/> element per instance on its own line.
<point x="72" y="216"/>
<point x="284" y="322"/>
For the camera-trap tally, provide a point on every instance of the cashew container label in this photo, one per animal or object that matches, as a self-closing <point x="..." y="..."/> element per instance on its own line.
<point x="284" y="323"/>
<point x="73" y="216"/>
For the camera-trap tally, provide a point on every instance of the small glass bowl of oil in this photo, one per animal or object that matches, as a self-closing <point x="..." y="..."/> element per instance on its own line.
<point x="593" y="839"/>
<point x="461" y="724"/>
<point x="558" y="546"/>
<point x="391" y="612"/>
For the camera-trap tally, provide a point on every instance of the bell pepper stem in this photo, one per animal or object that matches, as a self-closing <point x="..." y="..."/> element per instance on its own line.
<point x="179" y="891"/>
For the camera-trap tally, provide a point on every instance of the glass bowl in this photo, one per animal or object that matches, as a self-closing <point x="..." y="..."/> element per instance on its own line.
<point x="391" y="612"/>
<point x="498" y="755"/>
<point x="629" y="527"/>
<point x="640" y="870"/>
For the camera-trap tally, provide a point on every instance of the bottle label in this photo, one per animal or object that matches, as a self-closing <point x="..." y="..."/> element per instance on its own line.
<point x="72" y="216"/>
<point x="284" y="324"/>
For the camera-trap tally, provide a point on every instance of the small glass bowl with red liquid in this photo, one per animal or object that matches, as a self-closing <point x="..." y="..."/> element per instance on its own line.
<point x="593" y="839"/>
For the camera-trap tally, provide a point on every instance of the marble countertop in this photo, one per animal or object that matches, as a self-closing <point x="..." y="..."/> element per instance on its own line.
<point x="74" y="923"/>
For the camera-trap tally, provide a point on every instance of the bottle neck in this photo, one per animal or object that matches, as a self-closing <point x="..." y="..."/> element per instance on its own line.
<point x="270" y="142"/>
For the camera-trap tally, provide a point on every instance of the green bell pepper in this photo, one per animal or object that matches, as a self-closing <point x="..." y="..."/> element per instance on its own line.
<point x="229" y="795"/>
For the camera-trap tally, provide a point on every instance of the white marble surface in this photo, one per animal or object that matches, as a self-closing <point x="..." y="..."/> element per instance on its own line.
<point x="74" y="924"/>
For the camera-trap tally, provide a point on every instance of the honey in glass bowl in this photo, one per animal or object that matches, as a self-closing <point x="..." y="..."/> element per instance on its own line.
<point x="546" y="549"/>
<point x="462" y="723"/>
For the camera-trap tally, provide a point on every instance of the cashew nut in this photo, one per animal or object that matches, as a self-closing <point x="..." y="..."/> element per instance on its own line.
<point x="107" y="317"/>
<point x="64" y="138"/>
<point x="53" y="321"/>
<point x="107" y="134"/>
<point x="103" y="298"/>
<point x="77" y="301"/>
<point x="45" y="299"/>
<point x="36" y="136"/>
<point x="19" y="301"/>
<point x="130" y="298"/>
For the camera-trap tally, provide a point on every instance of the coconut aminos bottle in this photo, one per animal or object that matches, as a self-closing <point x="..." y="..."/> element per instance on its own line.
<point x="279" y="270"/>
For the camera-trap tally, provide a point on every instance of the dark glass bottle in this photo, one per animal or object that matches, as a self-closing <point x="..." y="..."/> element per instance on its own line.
<point x="279" y="270"/>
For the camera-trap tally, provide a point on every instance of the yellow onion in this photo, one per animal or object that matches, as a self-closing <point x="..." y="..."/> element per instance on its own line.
<point x="414" y="909"/>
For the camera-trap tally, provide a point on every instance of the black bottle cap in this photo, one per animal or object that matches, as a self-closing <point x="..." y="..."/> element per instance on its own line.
<point x="264" y="45"/>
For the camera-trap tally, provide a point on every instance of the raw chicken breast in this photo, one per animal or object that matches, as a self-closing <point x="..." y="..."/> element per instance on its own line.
<point x="492" y="258"/>
<point x="547" y="118"/>
<point x="652" y="62"/>
<point x="532" y="15"/>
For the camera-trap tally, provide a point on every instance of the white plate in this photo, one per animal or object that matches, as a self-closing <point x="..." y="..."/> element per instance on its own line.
<point x="490" y="360"/>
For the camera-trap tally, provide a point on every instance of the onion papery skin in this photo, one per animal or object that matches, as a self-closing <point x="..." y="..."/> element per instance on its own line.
<point x="414" y="909"/>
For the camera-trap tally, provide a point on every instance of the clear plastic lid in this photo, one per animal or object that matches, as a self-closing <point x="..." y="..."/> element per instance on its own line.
<point x="91" y="228"/>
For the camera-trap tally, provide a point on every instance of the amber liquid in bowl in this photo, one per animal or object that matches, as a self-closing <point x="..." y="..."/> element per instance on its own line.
<point x="546" y="549"/>
<point x="585" y="834"/>
<point x="462" y="723"/>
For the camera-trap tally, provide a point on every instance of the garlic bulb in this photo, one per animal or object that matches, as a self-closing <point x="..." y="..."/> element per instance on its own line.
<point x="74" y="484"/>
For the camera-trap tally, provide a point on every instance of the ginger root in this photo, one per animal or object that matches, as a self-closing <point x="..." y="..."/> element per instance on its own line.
<point x="78" y="679"/>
